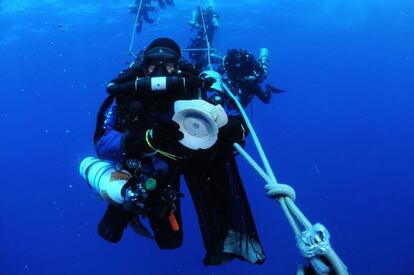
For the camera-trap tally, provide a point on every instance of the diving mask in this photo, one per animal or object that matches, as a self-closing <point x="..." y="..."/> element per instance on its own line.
<point x="161" y="67"/>
<point x="161" y="61"/>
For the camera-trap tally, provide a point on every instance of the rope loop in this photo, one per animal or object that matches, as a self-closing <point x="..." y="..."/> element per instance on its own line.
<point x="278" y="190"/>
<point x="314" y="241"/>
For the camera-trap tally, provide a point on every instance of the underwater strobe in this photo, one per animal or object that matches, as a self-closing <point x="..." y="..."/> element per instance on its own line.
<point x="104" y="179"/>
<point x="117" y="186"/>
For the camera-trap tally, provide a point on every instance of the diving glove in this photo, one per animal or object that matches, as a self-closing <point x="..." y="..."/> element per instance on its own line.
<point x="165" y="133"/>
<point x="235" y="131"/>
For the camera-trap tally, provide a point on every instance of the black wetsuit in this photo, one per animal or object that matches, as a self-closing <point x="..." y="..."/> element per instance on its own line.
<point x="212" y="176"/>
<point x="245" y="77"/>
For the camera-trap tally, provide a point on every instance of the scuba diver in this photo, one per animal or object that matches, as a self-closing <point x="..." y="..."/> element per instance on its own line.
<point x="245" y="74"/>
<point x="210" y="17"/>
<point x="143" y="13"/>
<point x="136" y="132"/>
<point x="144" y="7"/>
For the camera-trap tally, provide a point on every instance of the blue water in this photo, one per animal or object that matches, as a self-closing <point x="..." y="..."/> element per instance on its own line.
<point x="342" y="134"/>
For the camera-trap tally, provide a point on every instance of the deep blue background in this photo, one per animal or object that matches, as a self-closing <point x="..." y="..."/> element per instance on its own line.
<point x="342" y="135"/>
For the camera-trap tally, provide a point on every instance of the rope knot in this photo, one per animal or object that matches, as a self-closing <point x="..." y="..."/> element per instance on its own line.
<point x="278" y="191"/>
<point x="314" y="241"/>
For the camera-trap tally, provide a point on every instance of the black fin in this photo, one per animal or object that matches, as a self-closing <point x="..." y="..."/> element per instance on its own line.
<point x="113" y="223"/>
<point x="139" y="228"/>
<point x="273" y="89"/>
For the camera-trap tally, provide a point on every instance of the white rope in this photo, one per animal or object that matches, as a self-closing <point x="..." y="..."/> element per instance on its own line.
<point x="209" y="66"/>
<point x="278" y="191"/>
<point x="134" y="30"/>
<point x="312" y="241"/>
<point x="254" y="165"/>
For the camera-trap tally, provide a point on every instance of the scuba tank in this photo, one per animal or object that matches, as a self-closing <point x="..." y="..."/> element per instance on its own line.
<point x="114" y="185"/>
<point x="264" y="60"/>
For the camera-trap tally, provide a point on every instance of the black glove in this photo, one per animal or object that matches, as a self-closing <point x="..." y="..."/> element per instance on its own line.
<point x="165" y="133"/>
<point x="134" y="144"/>
<point x="234" y="131"/>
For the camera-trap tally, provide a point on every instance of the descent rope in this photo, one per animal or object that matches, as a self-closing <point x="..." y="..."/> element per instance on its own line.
<point x="131" y="44"/>
<point x="313" y="240"/>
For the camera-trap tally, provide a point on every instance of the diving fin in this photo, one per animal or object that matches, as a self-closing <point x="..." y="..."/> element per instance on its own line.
<point x="273" y="90"/>
<point x="139" y="228"/>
